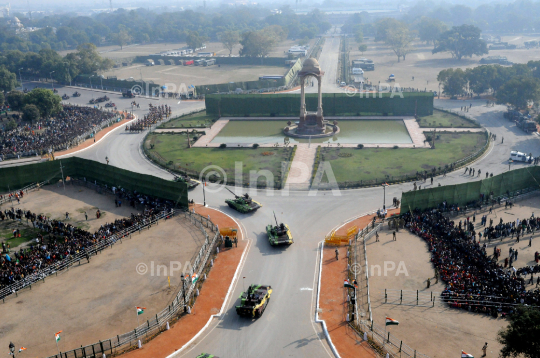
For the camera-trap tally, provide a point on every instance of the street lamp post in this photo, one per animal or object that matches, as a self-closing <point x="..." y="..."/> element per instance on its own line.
<point x="52" y="82"/>
<point x="184" y="291"/>
<point x="90" y="78"/>
<point x="12" y="349"/>
<point x="203" y="192"/>
<point x="22" y="86"/>
<point x="69" y="74"/>
<point x="384" y="196"/>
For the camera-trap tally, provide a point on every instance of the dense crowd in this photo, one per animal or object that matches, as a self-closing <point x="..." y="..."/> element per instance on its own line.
<point x="54" y="133"/>
<point x="59" y="240"/>
<point x="474" y="280"/>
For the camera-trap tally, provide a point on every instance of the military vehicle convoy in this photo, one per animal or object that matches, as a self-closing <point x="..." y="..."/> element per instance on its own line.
<point x="243" y="204"/>
<point x="192" y="183"/>
<point x="279" y="234"/>
<point x="254" y="301"/>
<point x="523" y="120"/>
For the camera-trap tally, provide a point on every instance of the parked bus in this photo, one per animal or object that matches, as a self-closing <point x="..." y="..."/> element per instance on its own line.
<point x="271" y="77"/>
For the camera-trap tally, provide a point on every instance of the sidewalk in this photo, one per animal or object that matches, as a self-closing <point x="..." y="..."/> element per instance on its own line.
<point x="333" y="297"/>
<point x="210" y="301"/>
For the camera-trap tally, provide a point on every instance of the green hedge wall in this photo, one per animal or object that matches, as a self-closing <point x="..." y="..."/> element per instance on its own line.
<point x="334" y="104"/>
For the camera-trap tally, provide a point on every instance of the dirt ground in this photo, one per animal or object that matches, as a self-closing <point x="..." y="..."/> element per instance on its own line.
<point x="97" y="300"/>
<point x="424" y="66"/>
<point x="172" y="76"/>
<point x="439" y="331"/>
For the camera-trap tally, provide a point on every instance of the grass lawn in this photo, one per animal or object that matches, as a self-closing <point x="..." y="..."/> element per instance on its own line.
<point x="378" y="163"/>
<point x="445" y="120"/>
<point x="6" y="233"/>
<point x="196" y="120"/>
<point x="171" y="150"/>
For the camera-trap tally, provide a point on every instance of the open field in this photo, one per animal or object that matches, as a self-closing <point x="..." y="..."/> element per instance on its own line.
<point x="97" y="300"/>
<point x="6" y="233"/>
<point x="373" y="163"/>
<point x="175" y="76"/>
<point x="441" y="119"/>
<point x="200" y="119"/>
<point x="424" y="66"/>
<point x="173" y="147"/>
<point x="440" y="331"/>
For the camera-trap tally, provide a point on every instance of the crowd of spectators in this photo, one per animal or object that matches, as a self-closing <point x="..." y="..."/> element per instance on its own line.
<point x="59" y="240"/>
<point x="55" y="133"/>
<point x="474" y="279"/>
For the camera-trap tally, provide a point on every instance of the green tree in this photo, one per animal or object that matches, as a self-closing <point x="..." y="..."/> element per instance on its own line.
<point x="521" y="338"/>
<point x="519" y="91"/>
<point x="88" y="60"/>
<point x="8" y="80"/>
<point x="481" y="78"/>
<point x="461" y="41"/>
<point x="383" y="26"/>
<point x="2" y="98"/>
<point x="45" y="100"/>
<point x="194" y="41"/>
<point x="30" y="113"/>
<point x="229" y="39"/>
<point x="399" y="40"/>
<point x="11" y="124"/>
<point x="454" y="81"/>
<point x="362" y="48"/>
<point x="15" y="99"/>
<point x="257" y="43"/>
<point x="358" y="34"/>
<point x="121" y="38"/>
<point x="430" y="29"/>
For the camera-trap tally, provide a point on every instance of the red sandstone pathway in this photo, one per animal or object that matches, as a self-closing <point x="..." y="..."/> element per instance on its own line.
<point x="209" y="302"/>
<point x="333" y="297"/>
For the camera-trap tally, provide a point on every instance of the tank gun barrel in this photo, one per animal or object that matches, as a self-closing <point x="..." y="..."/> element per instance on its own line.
<point x="235" y="196"/>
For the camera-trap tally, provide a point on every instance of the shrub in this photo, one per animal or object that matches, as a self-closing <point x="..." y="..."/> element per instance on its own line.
<point x="360" y="146"/>
<point x="223" y="145"/>
<point x="396" y="147"/>
<point x="255" y="145"/>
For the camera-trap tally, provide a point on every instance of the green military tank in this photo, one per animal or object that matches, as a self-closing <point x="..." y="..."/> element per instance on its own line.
<point x="279" y="234"/>
<point x="192" y="183"/>
<point x="206" y="355"/>
<point x="244" y="204"/>
<point x="254" y="301"/>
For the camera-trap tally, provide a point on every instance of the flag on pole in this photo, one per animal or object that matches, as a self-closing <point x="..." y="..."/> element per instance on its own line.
<point x="390" y="322"/>
<point x="466" y="355"/>
<point x="57" y="336"/>
<point x="140" y="310"/>
<point x="22" y="349"/>
<point x="194" y="278"/>
<point x="346" y="283"/>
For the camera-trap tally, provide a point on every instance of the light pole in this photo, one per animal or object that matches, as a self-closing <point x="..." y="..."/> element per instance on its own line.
<point x="184" y="291"/>
<point x="12" y="349"/>
<point x="52" y="82"/>
<point x="69" y="74"/>
<point x="22" y="86"/>
<point x="90" y="78"/>
<point x="384" y="196"/>
<point x="203" y="192"/>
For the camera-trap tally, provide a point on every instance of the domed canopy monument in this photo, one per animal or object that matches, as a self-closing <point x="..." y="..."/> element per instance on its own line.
<point x="311" y="123"/>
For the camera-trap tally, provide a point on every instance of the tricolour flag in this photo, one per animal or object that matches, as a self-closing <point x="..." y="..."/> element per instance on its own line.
<point x="22" y="349"/>
<point x="140" y="310"/>
<point x="390" y="321"/>
<point x="346" y="283"/>
<point x="466" y="355"/>
<point x="57" y="336"/>
<point x="194" y="278"/>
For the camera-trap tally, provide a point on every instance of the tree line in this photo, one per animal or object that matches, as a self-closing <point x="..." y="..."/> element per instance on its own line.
<point x="517" y="85"/>
<point x="122" y="27"/>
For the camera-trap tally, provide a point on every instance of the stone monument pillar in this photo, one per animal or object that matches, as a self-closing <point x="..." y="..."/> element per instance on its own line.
<point x="311" y="123"/>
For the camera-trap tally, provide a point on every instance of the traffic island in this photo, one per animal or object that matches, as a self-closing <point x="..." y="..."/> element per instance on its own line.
<point x="209" y="303"/>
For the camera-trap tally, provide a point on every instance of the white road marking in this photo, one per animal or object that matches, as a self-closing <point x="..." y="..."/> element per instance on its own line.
<point x="306" y="289"/>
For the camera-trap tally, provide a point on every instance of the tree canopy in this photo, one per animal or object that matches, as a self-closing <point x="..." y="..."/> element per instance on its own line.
<point x="453" y="80"/>
<point x="257" y="43"/>
<point x="519" y="91"/>
<point x="430" y="29"/>
<point x="461" y="41"/>
<point x="229" y="39"/>
<point x="45" y="100"/>
<point x="521" y="338"/>
<point x="8" y="80"/>
<point x="399" y="39"/>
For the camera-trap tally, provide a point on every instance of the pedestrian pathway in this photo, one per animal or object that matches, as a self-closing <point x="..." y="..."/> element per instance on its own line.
<point x="302" y="166"/>
<point x="211" y="132"/>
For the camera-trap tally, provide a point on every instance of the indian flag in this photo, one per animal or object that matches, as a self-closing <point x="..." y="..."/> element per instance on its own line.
<point x="346" y="283"/>
<point x="57" y="336"/>
<point x="390" y="322"/>
<point x="194" y="278"/>
<point x="466" y="355"/>
<point x="21" y="349"/>
<point x="140" y="310"/>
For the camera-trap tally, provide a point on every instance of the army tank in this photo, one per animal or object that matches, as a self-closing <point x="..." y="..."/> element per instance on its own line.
<point x="254" y="301"/>
<point x="206" y="355"/>
<point x="192" y="183"/>
<point x="243" y="204"/>
<point x="279" y="234"/>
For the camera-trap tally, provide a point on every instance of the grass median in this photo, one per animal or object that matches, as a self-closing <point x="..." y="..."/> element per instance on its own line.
<point x="441" y="119"/>
<point x="368" y="164"/>
<point x="195" y="120"/>
<point x="171" y="151"/>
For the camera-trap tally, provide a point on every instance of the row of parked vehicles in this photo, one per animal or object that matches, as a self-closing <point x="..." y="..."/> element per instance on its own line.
<point x="523" y="121"/>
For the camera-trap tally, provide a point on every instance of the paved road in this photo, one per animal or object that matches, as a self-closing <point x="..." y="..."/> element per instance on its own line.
<point x="287" y="328"/>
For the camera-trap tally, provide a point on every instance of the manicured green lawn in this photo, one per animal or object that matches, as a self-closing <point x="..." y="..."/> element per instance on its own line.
<point x="378" y="163"/>
<point x="196" y="120"/>
<point x="446" y="120"/>
<point x="173" y="148"/>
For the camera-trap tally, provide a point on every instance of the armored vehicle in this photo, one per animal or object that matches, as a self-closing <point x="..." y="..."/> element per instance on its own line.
<point x="244" y="204"/>
<point x="254" y="301"/>
<point x="279" y="234"/>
